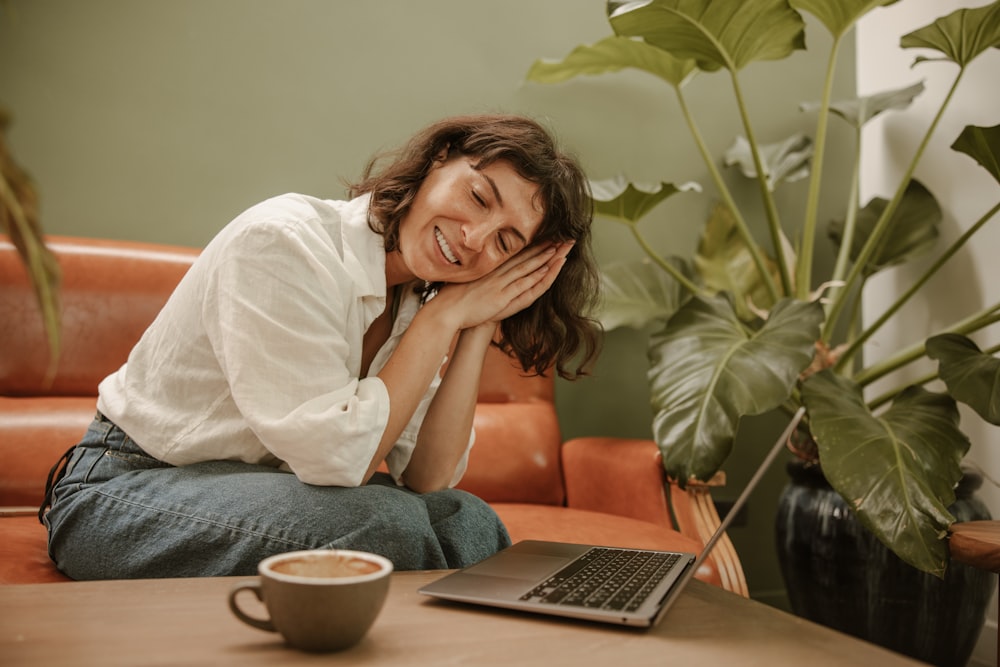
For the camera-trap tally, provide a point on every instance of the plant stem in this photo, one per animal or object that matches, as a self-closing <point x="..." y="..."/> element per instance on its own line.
<point x="875" y="240"/>
<point x="847" y="240"/>
<point x="975" y="322"/>
<point x="955" y="247"/>
<point x="663" y="264"/>
<point x="727" y="197"/>
<point x="853" y="327"/>
<point x="803" y="279"/>
<point x="773" y="221"/>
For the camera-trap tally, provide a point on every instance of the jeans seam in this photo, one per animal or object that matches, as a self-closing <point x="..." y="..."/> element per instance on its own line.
<point x="198" y="519"/>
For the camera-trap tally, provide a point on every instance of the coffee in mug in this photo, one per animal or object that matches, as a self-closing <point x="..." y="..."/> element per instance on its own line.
<point x="319" y="600"/>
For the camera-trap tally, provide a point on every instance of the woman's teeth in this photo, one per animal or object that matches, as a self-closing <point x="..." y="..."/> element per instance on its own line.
<point x="445" y="248"/>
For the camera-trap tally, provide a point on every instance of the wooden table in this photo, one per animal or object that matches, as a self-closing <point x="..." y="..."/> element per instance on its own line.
<point x="187" y="622"/>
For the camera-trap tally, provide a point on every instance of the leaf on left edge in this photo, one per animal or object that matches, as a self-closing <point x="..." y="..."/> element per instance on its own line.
<point x="19" y="218"/>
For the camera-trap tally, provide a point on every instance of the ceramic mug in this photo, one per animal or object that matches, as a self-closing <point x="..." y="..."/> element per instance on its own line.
<point x="319" y="600"/>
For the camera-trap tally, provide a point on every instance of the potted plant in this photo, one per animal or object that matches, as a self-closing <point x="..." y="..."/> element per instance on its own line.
<point x="745" y="326"/>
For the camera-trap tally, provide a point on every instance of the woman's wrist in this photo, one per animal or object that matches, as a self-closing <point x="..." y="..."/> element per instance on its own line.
<point x="484" y="330"/>
<point x="478" y="337"/>
<point x="443" y="315"/>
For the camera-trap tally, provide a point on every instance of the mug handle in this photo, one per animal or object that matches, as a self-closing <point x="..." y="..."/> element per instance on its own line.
<point x="260" y="624"/>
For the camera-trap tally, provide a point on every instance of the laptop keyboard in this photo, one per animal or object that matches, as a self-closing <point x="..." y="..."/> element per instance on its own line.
<point x="606" y="578"/>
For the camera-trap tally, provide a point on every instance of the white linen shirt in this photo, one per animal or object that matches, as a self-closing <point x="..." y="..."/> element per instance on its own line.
<point x="256" y="356"/>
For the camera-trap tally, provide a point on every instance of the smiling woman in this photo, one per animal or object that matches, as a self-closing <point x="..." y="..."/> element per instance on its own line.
<point x="305" y="348"/>
<point x="538" y="180"/>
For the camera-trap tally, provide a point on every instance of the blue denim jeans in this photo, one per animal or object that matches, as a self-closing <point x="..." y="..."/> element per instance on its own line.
<point x="118" y="513"/>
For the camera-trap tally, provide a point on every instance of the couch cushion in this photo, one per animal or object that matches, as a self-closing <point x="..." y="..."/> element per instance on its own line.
<point x="24" y="556"/>
<point x="34" y="433"/>
<point x="563" y="524"/>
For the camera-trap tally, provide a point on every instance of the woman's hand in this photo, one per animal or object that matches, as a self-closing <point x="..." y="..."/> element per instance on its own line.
<point x="508" y="289"/>
<point x="471" y="310"/>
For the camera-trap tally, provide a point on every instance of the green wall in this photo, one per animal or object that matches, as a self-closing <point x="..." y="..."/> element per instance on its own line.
<point x="161" y="120"/>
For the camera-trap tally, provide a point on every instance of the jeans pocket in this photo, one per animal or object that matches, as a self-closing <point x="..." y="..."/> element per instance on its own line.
<point x="119" y="455"/>
<point x="130" y="456"/>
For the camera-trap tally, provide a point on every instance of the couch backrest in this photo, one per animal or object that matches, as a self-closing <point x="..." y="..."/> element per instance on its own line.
<point x="112" y="290"/>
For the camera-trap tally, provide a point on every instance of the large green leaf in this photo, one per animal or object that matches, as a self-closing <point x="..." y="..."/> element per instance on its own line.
<point x="972" y="376"/>
<point x="961" y="36"/>
<point x="716" y="34"/>
<point x="913" y="229"/>
<point x="839" y="16"/>
<point x="982" y="144"/>
<point x="633" y="294"/>
<point x="859" y="111"/>
<point x="706" y="371"/>
<point x="611" y="55"/>
<point x="725" y="264"/>
<point x="628" y="202"/>
<point x="783" y="161"/>
<point x="898" y="470"/>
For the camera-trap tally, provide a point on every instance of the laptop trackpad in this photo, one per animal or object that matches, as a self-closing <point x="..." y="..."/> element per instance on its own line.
<point x="529" y="567"/>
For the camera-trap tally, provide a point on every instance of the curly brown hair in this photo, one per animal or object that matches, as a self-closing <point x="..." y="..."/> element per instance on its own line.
<point x="557" y="330"/>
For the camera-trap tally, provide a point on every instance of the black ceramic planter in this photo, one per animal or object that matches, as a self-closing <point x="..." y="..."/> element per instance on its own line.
<point x="839" y="575"/>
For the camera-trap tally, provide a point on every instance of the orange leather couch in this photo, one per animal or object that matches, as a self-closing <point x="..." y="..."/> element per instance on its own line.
<point x="589" y="490"/>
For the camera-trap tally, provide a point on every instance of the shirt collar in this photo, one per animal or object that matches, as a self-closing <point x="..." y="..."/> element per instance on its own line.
<point x="364" y="248"/>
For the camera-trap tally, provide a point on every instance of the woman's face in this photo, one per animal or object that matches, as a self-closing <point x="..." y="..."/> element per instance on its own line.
<point x="464" y="222"/>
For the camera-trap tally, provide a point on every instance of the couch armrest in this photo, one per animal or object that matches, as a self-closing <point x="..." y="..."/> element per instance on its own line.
<point x="695" y="515"/>
<point x="625" y="476"/>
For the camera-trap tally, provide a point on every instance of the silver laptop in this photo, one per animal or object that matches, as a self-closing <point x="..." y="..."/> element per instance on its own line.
<point x="606" y="584"/>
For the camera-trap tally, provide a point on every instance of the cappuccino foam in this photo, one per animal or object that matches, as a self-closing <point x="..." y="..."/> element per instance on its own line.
<point x="325" y="566"/>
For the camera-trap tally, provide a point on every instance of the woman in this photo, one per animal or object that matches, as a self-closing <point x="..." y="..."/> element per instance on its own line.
<point x="304" y="348"/>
